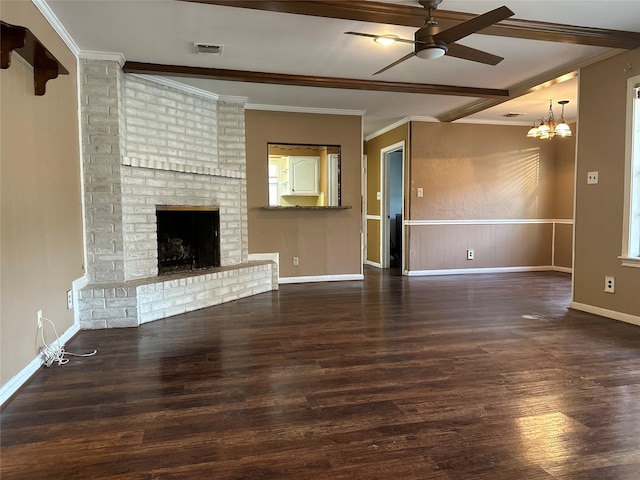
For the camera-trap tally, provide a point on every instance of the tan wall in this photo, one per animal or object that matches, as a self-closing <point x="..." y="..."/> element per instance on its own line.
<point x="563" y="254"/>
<point x="41" y="224"/>
<point x="373" y="241"/>
<point x="480" y="172"/>
<point x="564" y="173"/>
<point x="373" y="148"/>
<point x="485" y="172"/>
<point x="442" y="247"/>
<point x="563" y="195"/>
<point x="599" y="215"/>
<point x="327" y="242"/>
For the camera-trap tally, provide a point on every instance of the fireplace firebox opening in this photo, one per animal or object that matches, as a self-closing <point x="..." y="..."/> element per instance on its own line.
<point x="188" y="238"/>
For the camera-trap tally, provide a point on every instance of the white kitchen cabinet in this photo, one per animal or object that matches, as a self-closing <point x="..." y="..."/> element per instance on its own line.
<point x="304" y="175"/>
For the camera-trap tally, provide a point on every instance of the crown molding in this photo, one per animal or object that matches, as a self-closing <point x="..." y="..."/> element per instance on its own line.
<point x="508" y="123"/>
<point x="50" y="17"/>
<point x="388" y="128"/>
<point x="420" y="118"/>
<point x="185" y="88"/>
<point x="297" y="109"/>
<point x="108" y="56"/>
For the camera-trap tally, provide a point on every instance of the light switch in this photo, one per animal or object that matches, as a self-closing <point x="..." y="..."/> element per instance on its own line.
<point x="378" y="195"/>
<point x="420" y="192"/>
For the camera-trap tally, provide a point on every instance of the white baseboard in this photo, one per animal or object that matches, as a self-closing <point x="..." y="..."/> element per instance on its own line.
<point x="374" y="264"/>
<point x="464" y="271"/>
<point x="603" y="312"/>
<point x="322" y="278"/>
<point x="76" y="286"/>
<point x="12" y="386"/>
<point x="562" y="269"/>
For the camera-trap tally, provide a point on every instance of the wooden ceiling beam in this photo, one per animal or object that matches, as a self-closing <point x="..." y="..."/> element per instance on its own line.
<point x="404" y="15"/>
<point x="310" y="81"/>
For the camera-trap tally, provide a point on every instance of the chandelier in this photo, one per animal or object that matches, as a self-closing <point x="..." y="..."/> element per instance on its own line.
<point x="548" y="127"/>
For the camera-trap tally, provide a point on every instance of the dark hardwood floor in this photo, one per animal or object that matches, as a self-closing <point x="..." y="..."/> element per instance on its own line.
<point x="451" y="377"/>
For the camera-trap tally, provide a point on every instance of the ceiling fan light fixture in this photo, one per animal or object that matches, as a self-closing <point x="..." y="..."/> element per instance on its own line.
<point x="431" y="41"/>
<point x="386" y="40"/>
<point x="430" y="53"/>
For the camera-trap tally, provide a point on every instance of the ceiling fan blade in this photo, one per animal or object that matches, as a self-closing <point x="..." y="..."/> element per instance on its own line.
<point x="468" y="53"/>
<point x="463" y="29"/>
<point x="371" y="35"/>
<point x="406" y="57"/>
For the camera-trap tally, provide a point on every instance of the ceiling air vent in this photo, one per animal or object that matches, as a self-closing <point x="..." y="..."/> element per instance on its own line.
<point x="511" y="115"/>
<point x="207" y="49"/>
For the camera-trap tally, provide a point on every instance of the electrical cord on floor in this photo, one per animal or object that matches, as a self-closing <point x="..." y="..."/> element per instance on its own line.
<point x="55" y="353"/>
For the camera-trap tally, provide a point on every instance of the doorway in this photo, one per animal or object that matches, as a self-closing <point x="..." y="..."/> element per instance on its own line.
<point x="392" y="206"/>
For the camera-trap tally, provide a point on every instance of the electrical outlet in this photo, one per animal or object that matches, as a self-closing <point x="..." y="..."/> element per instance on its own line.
<point x="39" y="318"/>
<point x="470" y="254"/>
<point x="610" y="284"/>
<point x="69" y="299"/>
<point x="592" y="178"/>
<point x="296" y="261"/>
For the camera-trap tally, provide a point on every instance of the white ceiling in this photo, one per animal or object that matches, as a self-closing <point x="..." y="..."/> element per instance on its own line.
<point x="163" y="31"/>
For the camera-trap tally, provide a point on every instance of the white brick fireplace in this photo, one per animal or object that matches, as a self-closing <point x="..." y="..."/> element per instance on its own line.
<point x="148" y="143"/>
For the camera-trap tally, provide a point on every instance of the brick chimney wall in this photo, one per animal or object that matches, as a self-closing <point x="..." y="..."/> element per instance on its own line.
<point x="149" y="142"/>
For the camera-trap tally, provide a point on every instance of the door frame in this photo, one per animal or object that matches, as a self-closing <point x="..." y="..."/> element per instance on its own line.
<point x="363" y="211"/>
<point x="385" y="250"/>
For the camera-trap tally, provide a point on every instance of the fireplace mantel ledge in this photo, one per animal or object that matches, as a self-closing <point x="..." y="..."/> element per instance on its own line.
<point x="172" y="278"/>
<point x="181" y="168"/>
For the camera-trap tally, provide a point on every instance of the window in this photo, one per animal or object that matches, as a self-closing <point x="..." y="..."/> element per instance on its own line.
<point x="631" y="235"/>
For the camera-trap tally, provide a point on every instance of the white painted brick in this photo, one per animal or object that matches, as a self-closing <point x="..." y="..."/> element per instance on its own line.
<point x="175" y="310"/>
<point x="144" y="308"/>
<point x="94" y="324"/>
<point x="153" y="297"/>
<point x="91" y="304"/>
<point x="120" y="303"/>
<point x="185" y="139"/>
<point x="162" y="305"/>
<point x="122" y="322"/>
<point x="174" y="292"/>
<point x="108" y="314"/>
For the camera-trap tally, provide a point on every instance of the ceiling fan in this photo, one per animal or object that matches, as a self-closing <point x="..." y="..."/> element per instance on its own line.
<point x="431" y="42"/>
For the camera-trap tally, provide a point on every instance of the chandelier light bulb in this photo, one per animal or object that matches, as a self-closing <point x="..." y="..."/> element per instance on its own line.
<point x="563" y="130"/>
<point x="549" y="127"/>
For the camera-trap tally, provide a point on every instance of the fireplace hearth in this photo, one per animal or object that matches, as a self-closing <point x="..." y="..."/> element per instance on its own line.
<point x="188" y="238"/>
